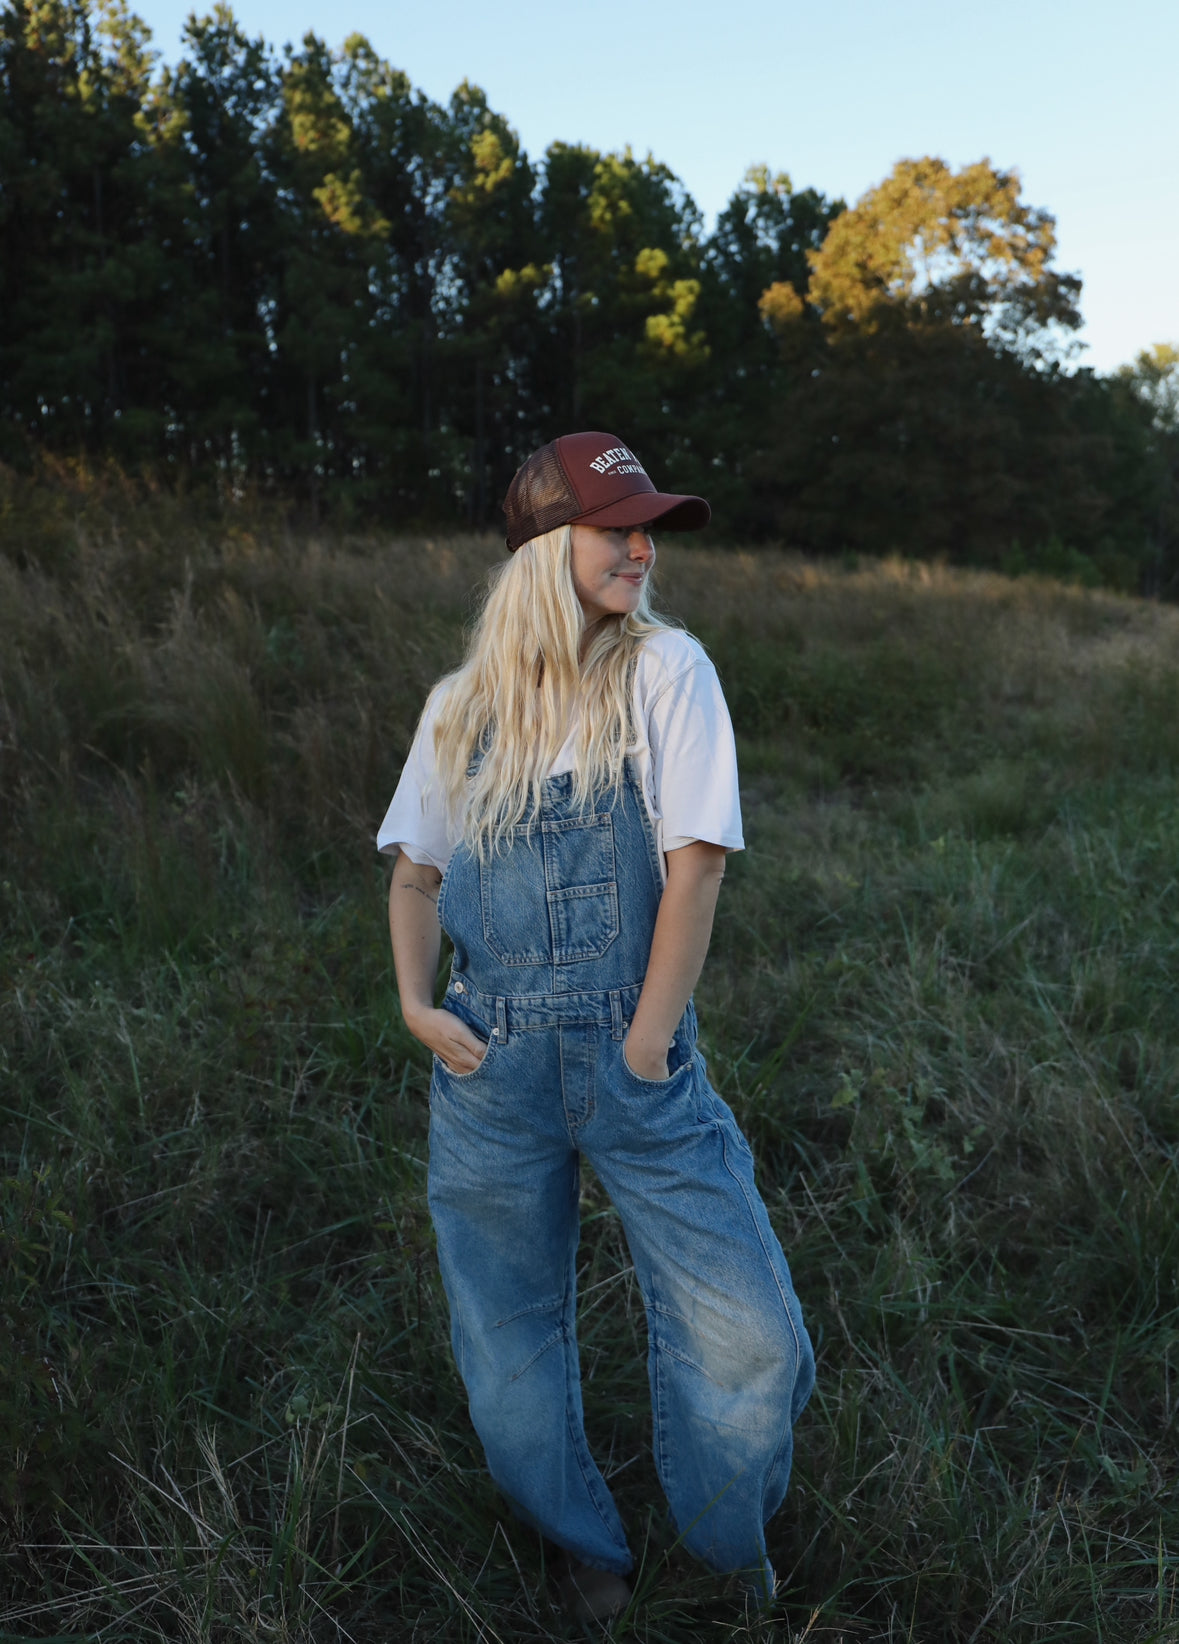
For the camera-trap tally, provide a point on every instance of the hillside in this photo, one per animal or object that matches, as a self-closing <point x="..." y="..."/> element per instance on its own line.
<point x="941" y="998"/>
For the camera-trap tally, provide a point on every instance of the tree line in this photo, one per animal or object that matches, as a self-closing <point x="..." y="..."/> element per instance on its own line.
<point x="295" y="273"/>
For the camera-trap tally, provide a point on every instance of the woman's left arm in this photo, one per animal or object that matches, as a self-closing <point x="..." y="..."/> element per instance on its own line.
<point x="683" y="927"/>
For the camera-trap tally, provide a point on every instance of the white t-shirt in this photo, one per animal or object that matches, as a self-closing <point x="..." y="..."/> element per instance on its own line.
<point x="684" y="756"/>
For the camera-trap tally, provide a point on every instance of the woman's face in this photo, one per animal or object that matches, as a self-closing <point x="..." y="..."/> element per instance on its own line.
<point x="609" y="569"/>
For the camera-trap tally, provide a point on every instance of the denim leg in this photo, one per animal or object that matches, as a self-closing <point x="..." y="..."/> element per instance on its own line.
<point x="730" y="1362"/>
<point x="503" y="1193"/>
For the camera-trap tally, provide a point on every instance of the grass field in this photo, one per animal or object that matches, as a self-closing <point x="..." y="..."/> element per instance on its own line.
<point x="941" y="998"/>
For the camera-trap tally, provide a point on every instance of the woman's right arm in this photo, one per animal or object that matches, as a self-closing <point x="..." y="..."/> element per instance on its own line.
<point x="417" y="939"/>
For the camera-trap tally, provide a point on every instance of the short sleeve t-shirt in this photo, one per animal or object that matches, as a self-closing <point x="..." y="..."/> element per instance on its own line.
<point x="684" y="756"/>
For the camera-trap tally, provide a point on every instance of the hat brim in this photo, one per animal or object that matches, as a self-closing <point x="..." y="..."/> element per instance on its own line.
<point x="673" y="513"/>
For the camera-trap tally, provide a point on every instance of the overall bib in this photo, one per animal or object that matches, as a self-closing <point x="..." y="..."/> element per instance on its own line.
<point x="551" y="941"/>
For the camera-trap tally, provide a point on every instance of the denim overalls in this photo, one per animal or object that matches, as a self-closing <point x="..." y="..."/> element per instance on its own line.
<point x="551" y="940"/>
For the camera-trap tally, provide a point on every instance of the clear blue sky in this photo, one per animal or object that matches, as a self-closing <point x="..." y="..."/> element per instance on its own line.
<point x="1081" y="96"/>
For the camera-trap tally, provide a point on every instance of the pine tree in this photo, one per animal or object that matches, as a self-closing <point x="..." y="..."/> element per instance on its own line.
<point x="79" y="256"/>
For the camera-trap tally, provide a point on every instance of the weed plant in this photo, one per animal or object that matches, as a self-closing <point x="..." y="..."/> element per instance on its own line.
<point x="940" y="998"/>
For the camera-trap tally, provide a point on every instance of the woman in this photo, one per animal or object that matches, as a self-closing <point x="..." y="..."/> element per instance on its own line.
<point x="564" y="816"/>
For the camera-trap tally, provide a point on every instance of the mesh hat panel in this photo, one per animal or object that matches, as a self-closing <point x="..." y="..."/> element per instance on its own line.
<point x="539" y="498"/>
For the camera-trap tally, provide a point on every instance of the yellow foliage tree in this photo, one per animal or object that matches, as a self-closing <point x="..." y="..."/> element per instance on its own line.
<point x="667" y="332"/>
<point x="780" y="306"/>
<point x="931" y="245"/>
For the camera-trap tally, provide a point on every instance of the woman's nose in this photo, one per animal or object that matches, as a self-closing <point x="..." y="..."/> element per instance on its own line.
<point x="639" y="545"/>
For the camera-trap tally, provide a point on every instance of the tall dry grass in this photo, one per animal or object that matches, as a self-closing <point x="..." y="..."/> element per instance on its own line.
<point x="940" y="997"/>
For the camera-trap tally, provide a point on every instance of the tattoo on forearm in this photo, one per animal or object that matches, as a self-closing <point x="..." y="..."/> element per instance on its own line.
<point x="421" y="892"/>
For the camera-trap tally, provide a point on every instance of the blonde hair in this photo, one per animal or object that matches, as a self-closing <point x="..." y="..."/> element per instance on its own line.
<point x="522" y="687"/>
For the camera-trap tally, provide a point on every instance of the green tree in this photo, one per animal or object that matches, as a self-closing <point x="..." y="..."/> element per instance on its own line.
<point x="334" y="236"/>
<point x="1151" y="384"/>
<point x="763" y="238"/>
<point x="1153" y="379"/>
<point x="80" y="252"/>
<point x="620" y="345"/>
<point x="225" y="92"/>
<point x="492" y="228"/>
<point x="762" y="335"/>
<point x="410" y="156"/>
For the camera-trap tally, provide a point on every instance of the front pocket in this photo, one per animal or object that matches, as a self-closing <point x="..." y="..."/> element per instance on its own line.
<point x="582" y="886"/>
<point x="652" y="1084"/>
<point x="552" y="896"/>
<point x="583" y="921"/>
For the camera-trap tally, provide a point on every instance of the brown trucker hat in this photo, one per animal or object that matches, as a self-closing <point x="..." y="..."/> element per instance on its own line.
<point x="591" y="479"/>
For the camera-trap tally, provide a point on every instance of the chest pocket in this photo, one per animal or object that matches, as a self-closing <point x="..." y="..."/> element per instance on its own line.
<point x="552" y="897"/>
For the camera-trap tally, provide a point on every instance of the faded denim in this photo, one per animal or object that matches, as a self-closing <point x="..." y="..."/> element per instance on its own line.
<point x="551" y="941"/>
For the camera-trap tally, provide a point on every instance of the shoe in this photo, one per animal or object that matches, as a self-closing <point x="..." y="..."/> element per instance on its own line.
<point x="593" y="1595"/>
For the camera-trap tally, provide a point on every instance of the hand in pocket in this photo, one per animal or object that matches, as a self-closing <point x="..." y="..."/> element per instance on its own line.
<point x="452" y="1041"/>
<point x="644" y="1062"/>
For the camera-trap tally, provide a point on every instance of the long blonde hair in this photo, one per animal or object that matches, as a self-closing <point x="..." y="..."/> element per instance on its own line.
<point x="522" y="687"/>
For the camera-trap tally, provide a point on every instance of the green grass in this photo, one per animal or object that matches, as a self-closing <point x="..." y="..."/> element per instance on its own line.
<point x="940" y="997"/>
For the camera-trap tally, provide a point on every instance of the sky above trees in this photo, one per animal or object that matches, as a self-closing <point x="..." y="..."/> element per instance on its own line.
<point x="1078" y="95"/>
